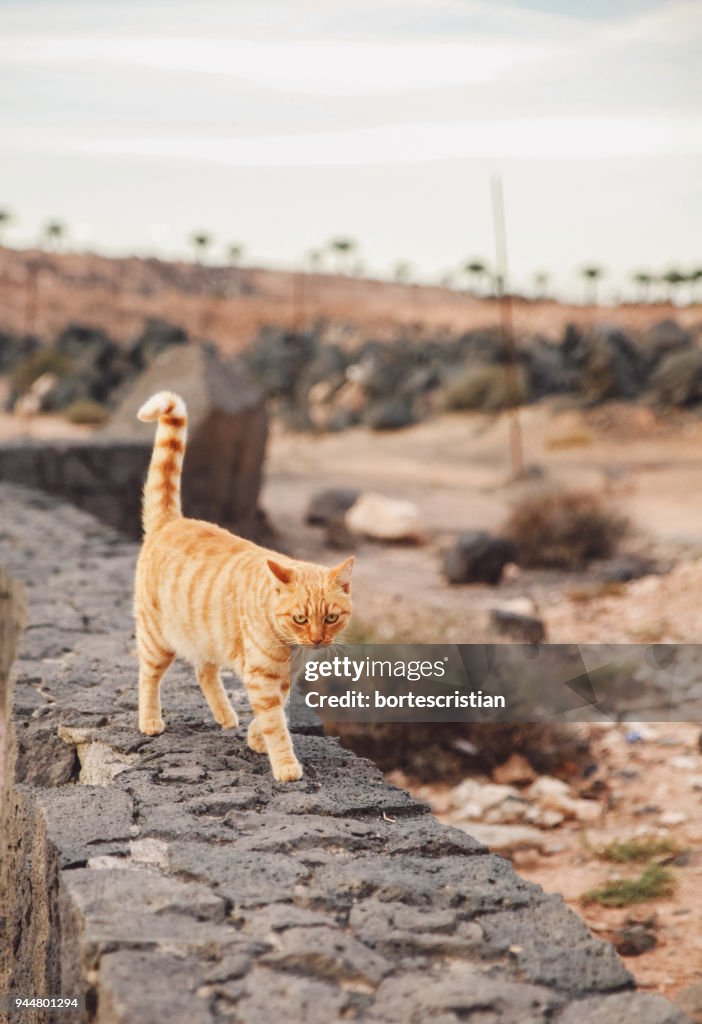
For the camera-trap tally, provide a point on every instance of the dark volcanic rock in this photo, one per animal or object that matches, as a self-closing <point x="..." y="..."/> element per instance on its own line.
<point x="327" y="505"/>
<point x="526" y="629"/>
<point x="477" y="557"/>
<point x="390" y="414"/>
<point x="678" y="378"/>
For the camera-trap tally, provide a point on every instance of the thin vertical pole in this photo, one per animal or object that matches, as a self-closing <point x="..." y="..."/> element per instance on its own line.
<point x="298" y="307"/>
<point x="509" y="347"/>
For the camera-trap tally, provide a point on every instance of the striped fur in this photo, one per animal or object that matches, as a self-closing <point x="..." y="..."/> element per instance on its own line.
<point x="218" y="601"/>
<point x="161" y="501"/>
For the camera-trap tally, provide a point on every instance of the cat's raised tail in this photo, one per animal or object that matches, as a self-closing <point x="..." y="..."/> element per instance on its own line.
<point x="161" y="500"/>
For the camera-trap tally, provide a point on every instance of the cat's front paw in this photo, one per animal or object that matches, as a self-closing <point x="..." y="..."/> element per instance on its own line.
<point x="287" y="771"/>
<point x="152" y="726"/>
<point x="228" y="720"/>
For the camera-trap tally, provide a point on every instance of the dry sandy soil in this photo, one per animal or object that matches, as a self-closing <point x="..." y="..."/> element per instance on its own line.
<point x="457" y="471"/>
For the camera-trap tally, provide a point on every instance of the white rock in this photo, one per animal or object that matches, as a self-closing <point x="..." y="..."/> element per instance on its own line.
<point x="547" y="785"/>
<point x="506" y="838"/>
<point x="517" y="606"/>
<point x="543" y="817"/>
<point x="684" y="762"/>
<point x="673" y="818"/>
<point x="381" y="518"/>
<point x="509" y="812"/>
<point x="482" y="795"/>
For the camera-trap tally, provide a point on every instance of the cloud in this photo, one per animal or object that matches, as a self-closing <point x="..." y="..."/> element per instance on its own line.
<point x="332" y="68"/>
<point x="546" y="138"/>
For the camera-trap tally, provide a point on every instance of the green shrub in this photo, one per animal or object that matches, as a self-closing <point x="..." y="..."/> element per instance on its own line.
<point x="46" y="360"/>
<point x="485" y="388"/>
<point x="85" y="410"/>
<point x="652" y="884"/>
<point x="564" y="529"/>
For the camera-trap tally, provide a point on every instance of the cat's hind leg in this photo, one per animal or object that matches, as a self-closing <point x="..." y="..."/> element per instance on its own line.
<point x="211" y="683"/>
<point x="154" y="660"/>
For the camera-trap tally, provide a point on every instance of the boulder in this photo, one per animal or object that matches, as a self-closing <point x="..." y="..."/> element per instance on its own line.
<point x="678" y="378"/>
<point x="227" y="428"/>
<point x="477" y="557"/>
<point x="157" y="336"/>
<point x="527" y="629"/>
<point x="327" y="505"/>
<point x="384" y="519"/>
<point x="663" y="338"/>
<point x="389" y="414"/>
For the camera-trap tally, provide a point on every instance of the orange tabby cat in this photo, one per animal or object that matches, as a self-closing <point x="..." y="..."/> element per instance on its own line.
<point x="216" y="600"/>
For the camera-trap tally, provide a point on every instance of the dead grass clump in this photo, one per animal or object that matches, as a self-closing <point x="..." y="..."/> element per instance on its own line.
<point x="485" y="389"/>
<point x="85" y="410"/>
<point x="564" y="529"/>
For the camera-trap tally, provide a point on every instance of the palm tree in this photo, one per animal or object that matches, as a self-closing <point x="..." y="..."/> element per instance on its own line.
<point x="5" y="219"/>
<point x="673" y="278"/>
<point x="54" y="233"/>
<point x="201" y="241"/>
<point x="402" y="271"/>
<point x="235" y="252"/>
<point x="343" y="247"/>
<point x="315" y="258"/>
<point x="591" y="275"/>
<point x="541" y="279"/>
<point x="644" y="280"/>
<point x="477" y="270"/>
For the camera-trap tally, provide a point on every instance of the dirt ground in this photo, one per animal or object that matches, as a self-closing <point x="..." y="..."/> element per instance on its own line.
<point x="652" y="790"/>
<point x="457" y="471"/>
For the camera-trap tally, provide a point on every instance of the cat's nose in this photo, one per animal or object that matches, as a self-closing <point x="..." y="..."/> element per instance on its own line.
<point x="317" y="639"/>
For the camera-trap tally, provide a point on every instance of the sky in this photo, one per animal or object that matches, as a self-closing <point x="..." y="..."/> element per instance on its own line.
<point x="280" y="125"/>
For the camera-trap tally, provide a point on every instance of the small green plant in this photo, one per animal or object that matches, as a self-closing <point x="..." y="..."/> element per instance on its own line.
<point x="640" y="850"/>
<point x="564" y="529"/>
<point x="45" y="360"/>
<point x="652" y="884"/>
<point x="86" y="411"/>
<point x="486" y="389"/>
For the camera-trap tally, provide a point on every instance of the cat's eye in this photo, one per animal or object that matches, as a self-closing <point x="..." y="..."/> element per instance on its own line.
<point x="331" y="618"/>
<point x="300" y="620"/>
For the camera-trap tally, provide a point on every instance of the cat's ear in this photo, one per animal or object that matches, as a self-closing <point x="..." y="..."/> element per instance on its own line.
<point x="341" y="574"/>
<point x="281" y="572"/>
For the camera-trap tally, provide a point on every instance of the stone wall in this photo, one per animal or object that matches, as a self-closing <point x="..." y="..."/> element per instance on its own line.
<point x="170" y="878"/>
<point x="227" y="432"/>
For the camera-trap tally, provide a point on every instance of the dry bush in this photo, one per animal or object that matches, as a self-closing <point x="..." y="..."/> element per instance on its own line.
<point x="85" y="410"/>
<point x="486" y="389"/>
<point x="449" y="751"/>
<point x="564" y="529"/>
<point x="45" y="360"/>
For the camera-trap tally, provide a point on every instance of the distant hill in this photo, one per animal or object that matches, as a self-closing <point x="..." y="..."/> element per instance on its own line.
<point x="43" y="292"/>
